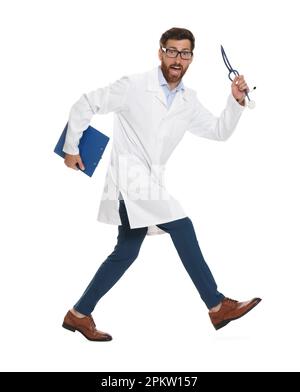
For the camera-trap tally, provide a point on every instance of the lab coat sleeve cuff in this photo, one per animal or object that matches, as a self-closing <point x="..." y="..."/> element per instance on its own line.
<point x="234" y="105"/>
<point x="69" y="149"/>
<point x="73" y="136"/>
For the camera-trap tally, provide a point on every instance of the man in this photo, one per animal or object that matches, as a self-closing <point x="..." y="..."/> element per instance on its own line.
<point x="152" y="113"/>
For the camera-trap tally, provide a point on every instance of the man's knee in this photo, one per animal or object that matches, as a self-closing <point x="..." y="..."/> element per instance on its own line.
<point x="124" y="254"/>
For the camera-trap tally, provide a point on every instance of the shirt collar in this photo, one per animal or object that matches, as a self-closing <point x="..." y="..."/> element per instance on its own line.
<point x="163" y="82"/>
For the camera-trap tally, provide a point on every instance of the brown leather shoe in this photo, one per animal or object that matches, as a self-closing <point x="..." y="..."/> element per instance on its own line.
<point x="86" y="326"/>
<point x="231" y="310"/>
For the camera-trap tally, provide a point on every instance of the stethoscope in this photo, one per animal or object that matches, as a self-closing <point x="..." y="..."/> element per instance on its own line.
<point x="251" y="103"/>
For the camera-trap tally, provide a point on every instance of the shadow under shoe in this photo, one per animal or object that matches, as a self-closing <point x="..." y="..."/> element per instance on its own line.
<point x="86" y="326"/>
<point x="231" y="310"/>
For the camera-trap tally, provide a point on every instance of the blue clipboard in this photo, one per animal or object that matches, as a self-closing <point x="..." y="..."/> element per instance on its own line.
<point x="91" y="148"/>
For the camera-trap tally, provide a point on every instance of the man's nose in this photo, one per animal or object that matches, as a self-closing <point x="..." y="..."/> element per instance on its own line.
<point x="178" y="59"/>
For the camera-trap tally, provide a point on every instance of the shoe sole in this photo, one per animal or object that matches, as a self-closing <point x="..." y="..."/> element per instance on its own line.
<point x="225" y="322"/>
<point x="72" y="329"/>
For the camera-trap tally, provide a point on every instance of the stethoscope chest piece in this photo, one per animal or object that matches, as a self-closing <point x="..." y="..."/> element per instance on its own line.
<point x="251" y="104"/>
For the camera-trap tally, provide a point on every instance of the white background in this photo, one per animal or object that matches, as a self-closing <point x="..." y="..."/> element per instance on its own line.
<point x="242" y="195"/>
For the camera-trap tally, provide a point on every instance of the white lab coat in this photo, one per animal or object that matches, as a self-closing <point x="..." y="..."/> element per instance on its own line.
<point x="145" y="134"/>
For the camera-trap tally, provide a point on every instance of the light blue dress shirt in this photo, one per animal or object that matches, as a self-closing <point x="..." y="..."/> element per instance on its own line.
<point x="170" y="94"/>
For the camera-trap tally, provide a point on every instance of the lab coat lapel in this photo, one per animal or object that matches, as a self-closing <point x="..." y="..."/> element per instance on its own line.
<point x="154" y="87"/>
<point x="161" y="97"/>
<point x="178" y="102"/>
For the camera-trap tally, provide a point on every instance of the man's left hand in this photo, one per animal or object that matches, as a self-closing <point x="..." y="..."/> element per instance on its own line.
<point x="238" y="89"/>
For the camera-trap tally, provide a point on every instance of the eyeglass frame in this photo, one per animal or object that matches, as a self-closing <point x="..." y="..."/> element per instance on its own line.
<point x="164" y="50"/>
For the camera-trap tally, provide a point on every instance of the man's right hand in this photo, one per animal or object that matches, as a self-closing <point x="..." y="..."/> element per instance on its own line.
<point x="73" y="160"/>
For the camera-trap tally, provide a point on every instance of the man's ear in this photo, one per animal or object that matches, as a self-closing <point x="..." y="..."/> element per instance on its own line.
<point x="160" y="54"/>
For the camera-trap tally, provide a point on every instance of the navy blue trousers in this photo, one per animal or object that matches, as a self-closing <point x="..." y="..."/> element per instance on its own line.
<point x="128" y="245"/>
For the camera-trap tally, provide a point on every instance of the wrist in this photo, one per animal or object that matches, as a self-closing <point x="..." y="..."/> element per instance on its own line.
<point x="241" y="101"/>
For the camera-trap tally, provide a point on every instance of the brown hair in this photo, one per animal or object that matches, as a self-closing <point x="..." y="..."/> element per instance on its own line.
<point x="177" y="33"/>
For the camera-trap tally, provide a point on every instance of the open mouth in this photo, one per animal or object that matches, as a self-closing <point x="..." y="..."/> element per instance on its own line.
<point x="175" y="70"/>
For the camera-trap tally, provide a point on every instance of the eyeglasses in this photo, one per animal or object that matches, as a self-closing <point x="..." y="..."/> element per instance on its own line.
<point x="173" y="53"/>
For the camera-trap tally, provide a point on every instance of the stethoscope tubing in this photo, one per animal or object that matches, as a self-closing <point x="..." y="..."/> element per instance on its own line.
<point x="230" y="69"/>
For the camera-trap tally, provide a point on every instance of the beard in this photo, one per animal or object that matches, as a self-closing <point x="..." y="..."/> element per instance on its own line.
<point x="173" y="73"/>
